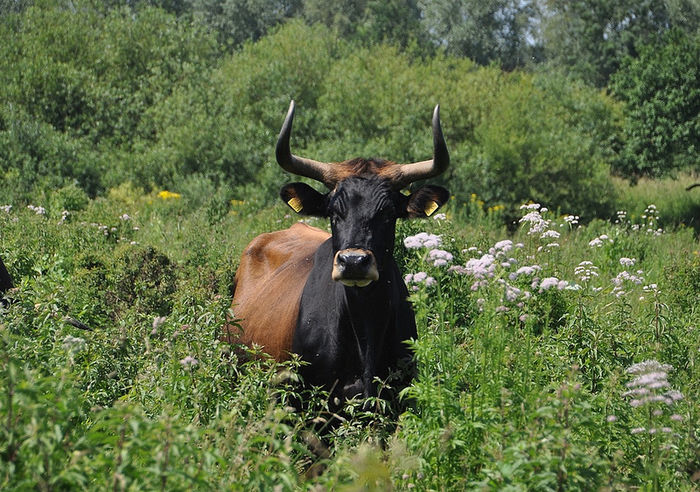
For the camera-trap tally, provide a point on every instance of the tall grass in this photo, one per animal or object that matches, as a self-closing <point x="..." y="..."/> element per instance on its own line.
<point x="676" y="203"/>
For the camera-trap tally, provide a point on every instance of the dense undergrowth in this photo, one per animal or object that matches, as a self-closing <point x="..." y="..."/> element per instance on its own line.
<point x="562" y="356"/>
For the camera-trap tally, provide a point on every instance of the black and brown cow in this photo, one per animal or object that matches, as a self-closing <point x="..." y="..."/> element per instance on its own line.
<point x="338" y="300"/>
<point x="5" y="283"/>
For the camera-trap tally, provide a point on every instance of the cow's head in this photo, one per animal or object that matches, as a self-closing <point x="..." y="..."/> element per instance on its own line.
<point x="364" y="201"/>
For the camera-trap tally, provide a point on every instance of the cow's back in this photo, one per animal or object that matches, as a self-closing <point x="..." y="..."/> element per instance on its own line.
<point x="269" y="282"/>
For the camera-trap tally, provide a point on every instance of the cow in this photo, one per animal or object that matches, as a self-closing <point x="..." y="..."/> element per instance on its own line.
<point x="337" y="300"/>
<point x="5" y="283"/>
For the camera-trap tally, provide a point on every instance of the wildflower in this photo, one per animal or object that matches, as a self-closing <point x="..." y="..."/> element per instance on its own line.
<point x="37" y="210"/>
<point x="571" y="219"/>
<point x="651" y="289"/>
<point x="440" y="216"/>
<point x="440" y="257"/>
<point x="537" y="224"/>
<point x="530" y="206"/>
<point x="512" y="293"/>
<point x="157" y="322"/>
<point x="648" y="366"/>
<point x="549" y="282"/>
<point x="637" y="430"/>
<point x="6" y="208"/>
<point x="585" y="271"/>
<point x="422" y="240"/>
<point x="550" y="233"/>
<point x="419" y="278"/>
<point x="189" y="362"/>
<point x="502" y="309"/>
<point x="124" y="217"/>
<point x="64" y="217"/>
<point x="526" y="270"/>
<point x="627" y="262"/>
<point x="502" y="246"/>
<point x="611" y="418"/>
<point x="481" y="268"/>
<point x="166" y="195"/>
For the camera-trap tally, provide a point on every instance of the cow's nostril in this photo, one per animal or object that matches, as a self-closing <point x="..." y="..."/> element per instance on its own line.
<point x="357" y="266"/>
<point x="354" y="260"/>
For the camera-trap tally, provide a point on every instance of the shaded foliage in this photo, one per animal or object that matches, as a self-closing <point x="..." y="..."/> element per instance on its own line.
<point x="661" y="89"/>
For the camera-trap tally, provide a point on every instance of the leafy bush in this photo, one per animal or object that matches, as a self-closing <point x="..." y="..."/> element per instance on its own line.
<point x="662" y="96"/>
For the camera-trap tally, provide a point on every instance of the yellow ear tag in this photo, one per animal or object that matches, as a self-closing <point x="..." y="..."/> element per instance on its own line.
<point x="295" y="203"/>
<point x="430" y="207"/>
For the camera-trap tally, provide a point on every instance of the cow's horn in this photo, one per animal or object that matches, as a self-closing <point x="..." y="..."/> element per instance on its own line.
<point x="431" y="168"/>
<point x="320" y="171"/>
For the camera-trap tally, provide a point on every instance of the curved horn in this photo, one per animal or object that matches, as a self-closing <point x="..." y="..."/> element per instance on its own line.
<point x="320" y="171"/>
<point x="431" y="168"/>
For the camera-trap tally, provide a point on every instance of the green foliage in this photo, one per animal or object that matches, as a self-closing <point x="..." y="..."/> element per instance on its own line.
<point x="661" y="90"/>
<point x="590" y="38"/>
<point x="163" y="113"/>
<point x="76" y="85"/>
<point x="543" y="141"/>
<point x="237" y="21"/>
<point x="144" y="278"/>
<point x="494" y="31"/>
<point x="35" y="157"/>
<point x="513" y="390"/>
<point x="368" y="22"/>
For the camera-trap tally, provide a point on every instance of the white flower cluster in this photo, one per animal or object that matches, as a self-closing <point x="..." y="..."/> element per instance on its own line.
<point x="440" y="257"/>
<point x="418" y="278"/>
<point x="626" y="277"/>
<point x="422" y="240"/>
<point x="525" y="270"/>
<point x="37" y="210"/>
<point x="572" y="220"/>
<point x="585" y="271"/>
<point x="599" y="241"/>
<point x="650" y="388"/>
<point x="189" y="362"/>
<point x="538" y="224"/>
<point x="550" y="283"/>
<point x="6" y="208"/>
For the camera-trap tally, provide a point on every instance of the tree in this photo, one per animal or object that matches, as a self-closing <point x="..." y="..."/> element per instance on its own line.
<point x="590" y="38"/>
<point x="236" y="21"/>
<point x="369" y="21"/>
<point x="661" y="89"/>
<point x="483" y="30"/>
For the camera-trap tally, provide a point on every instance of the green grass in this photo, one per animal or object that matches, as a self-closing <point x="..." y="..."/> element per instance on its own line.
<point x="676" y="204"/>
<point x="520" y="387"/>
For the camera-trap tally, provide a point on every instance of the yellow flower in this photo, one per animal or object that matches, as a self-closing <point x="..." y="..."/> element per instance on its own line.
<point x="165" y="195"/>
<point x="237" y="203"/>
<point x="472" y="198"/>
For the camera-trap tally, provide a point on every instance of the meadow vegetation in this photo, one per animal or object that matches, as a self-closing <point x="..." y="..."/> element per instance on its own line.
<point x="527" y="349"/>
<point x="558" y="305"/>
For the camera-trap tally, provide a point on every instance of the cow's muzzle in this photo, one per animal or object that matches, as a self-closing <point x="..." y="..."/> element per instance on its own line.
<point x="355" y="267"/>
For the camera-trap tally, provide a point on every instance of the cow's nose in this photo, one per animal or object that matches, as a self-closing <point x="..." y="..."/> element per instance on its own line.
<point x="355" y="267"/>
<point x="354" y="262"/>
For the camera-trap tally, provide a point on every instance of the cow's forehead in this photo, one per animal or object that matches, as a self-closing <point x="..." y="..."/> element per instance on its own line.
<point x="365" y="167"/>
<point x="363" y="189"/>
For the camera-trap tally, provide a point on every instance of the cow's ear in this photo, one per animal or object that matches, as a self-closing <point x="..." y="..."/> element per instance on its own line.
<point x="304" y="200"/>
<point x="425" y="201"/>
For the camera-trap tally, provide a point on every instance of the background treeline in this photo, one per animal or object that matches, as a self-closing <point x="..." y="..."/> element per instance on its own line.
<point x="541" y="100"/>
